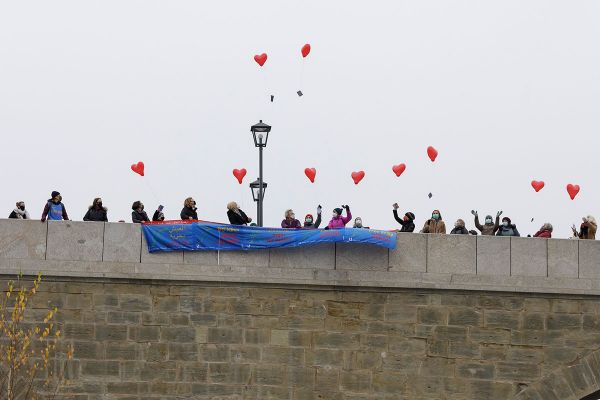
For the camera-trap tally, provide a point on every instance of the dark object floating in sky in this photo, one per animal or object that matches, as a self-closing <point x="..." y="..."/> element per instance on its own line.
<point x="299" y="93"/>
<point x="531" y="219"/>
<point x="272" y="97"/>
<point x="430" y="195"/>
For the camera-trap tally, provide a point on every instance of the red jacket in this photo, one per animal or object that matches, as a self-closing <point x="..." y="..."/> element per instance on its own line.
<point x="543" y="234"/>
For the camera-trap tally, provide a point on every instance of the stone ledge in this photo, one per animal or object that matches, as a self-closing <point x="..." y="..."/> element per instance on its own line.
<point x="301" y="276"/>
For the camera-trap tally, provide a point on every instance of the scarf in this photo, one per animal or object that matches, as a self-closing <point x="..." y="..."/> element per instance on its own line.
<point x="21" y="214"/>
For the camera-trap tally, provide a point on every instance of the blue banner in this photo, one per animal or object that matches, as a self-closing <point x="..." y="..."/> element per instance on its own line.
<point x="208" y="236"/>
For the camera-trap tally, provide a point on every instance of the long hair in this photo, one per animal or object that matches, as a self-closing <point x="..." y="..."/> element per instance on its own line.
<point x="232" y="206"/>
<point x="136" y="205"/>
<point x="188" y="203"/>
<point x="288" y="213"/>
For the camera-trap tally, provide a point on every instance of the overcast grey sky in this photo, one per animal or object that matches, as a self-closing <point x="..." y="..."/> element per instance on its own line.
<point x="507" y="91"/>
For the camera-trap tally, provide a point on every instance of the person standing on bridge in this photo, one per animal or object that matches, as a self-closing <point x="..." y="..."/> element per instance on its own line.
<point x="96" y="212"/>
<point x="545" y="231"/>
<point x="490" y="227"/>
<point x="189" y="210"/>
<point x="435" y="224"/>
<point x="587" y="230"/>
<point x="20" y="212"/>
<point x="459" y="228"/>
<point x="138" y="215"/>
<point x="55" y="210"/>
<point x="407" y="222"/>
<point x="236" y="215"/>
<point x="337" y="220"/>
<point x="290" y="221"/>
<point x="508" y="228"/>
<point x="310" y="223"/>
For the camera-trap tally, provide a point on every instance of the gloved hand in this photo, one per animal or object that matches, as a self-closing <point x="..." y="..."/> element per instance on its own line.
<point x="346" y="207"/>
<point x="499" y="213"/>
<point x="474" y="213"/>
<point x="319" y="208"/>
<point x="395" y="205"/>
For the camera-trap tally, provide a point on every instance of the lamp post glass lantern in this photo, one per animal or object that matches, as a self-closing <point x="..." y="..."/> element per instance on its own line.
<point x="260" y="133"/>
<point x="258" y="197"/>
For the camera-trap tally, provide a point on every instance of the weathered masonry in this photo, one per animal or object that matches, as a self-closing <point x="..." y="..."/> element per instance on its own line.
<point x="440" y="317"/>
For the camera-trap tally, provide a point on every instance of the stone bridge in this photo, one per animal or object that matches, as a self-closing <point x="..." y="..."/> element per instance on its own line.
<point x="440" y="317"/>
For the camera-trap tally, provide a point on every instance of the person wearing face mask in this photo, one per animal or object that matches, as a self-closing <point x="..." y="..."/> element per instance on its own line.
<point x="435" y="224"/>
<point x="545" y="231"/>
<point x="55" y="210"/>
<point x="19" y="212"/>
<point x="290" y="221"/>
<point x="459" y="228"/>
<point x="310" y="223"/>
<point x="358" y="223"/>
<point x="138" y="214"/>
<point x="507" y="228"/>
<point x="337" y="220"/>
<point x="96" y="212"/>
<point x="490" y="227"/>
<point x="407" y="221"/>
<point x="189" y="209"/>
<point x="237" y="216"/>
<point x="587" y="230"/>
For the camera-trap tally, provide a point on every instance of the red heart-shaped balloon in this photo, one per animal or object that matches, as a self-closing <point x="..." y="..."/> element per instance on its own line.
<point x="239" y="174"/>
<point x="138" y="168"/>
<point x="432" y="153"/>
<point x="572" y="190"/>
<point x="537" y="185"/>
<point x="358" y="176"/>
<point x="305" y="50"/>
<point x="399" y="169"/>
<point x="311" y="173"/>
<point x="261" y="59"/>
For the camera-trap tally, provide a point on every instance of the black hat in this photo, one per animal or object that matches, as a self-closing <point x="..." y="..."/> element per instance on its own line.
<point x="410" y="216"/>
<point x="54" y="194"/>
<point x="338" y="211"/>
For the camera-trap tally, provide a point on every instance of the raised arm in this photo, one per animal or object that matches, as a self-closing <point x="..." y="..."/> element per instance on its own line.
<point x="398" y="219"/>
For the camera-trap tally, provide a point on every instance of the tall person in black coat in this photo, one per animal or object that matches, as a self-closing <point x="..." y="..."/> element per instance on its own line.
<point x="237" y="216"/>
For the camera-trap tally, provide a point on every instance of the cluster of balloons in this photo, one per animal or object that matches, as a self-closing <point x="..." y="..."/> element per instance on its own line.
<point x="261" y="59"/>
<point x="358" y="176"/>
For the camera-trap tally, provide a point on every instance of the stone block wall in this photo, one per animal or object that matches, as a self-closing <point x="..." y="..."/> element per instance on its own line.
<point x="169" y="340"/>
<point x="119" y="250"/>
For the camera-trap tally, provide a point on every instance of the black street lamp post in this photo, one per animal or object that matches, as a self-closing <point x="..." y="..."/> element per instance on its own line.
<point x="260" y="133"/>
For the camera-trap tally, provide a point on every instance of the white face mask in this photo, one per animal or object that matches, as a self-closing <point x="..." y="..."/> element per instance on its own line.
<point x="505" y="224"/>
<point x="488" y="221"/>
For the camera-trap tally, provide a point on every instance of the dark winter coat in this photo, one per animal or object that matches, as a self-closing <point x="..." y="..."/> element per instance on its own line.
<point x="459" y="230"/>
<point x="510" y="230"/>
<point x="314" y="225"/>
<point x="157" y="216"/>
<point x="94" y="214"/>
<point x="237" y="219"/>
<point x="407" y="226"/>
<point x="139" y="217"/>
<point x="189" y="213"/>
